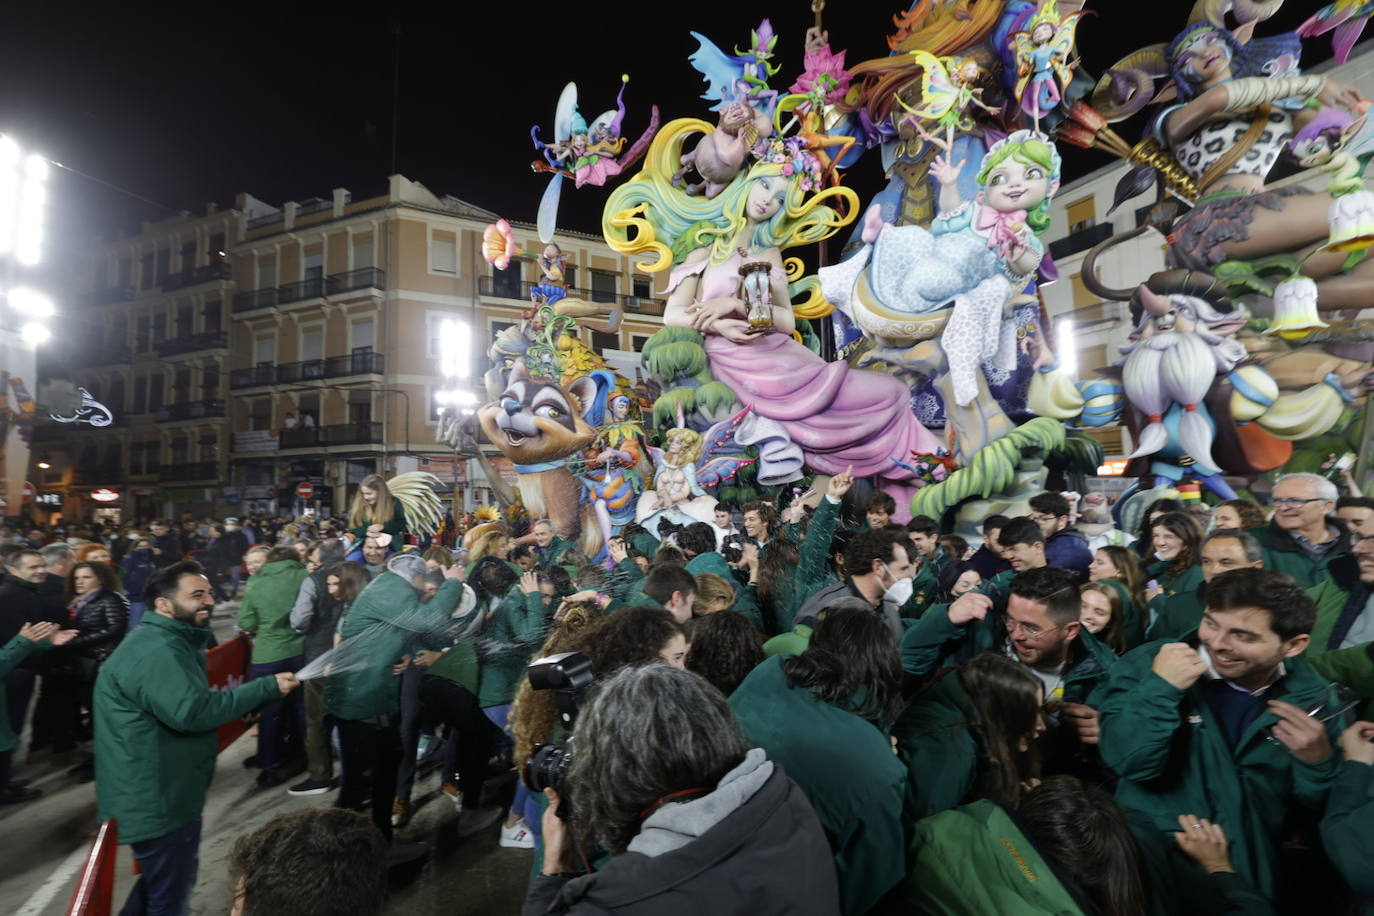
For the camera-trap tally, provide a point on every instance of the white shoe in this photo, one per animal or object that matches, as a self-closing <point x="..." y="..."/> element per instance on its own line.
<point x="517" y="836"/>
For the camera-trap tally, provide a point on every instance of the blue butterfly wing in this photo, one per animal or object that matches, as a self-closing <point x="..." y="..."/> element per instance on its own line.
<point x="720" y="69"/>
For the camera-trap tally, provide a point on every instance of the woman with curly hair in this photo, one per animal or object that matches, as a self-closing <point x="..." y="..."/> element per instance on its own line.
<point x="725" y="647"/>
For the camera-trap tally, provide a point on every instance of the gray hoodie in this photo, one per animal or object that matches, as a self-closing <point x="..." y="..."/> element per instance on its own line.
<point x="676" y="824"/>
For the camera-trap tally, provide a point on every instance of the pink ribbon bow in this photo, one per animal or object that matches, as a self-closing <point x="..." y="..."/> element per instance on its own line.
<point x="1001" y="224"/>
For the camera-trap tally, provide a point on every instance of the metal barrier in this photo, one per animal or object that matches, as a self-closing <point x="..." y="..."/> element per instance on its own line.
<point x="94" y="894"/>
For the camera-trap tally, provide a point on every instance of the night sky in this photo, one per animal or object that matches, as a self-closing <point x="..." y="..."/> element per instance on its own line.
<point x="193" y="103"/>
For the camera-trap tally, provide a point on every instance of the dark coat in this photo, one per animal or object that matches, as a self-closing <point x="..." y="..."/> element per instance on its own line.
<point x="170" y="545"/>
<point x="138" y="568"/>
<point x="1068" y="549"/>
<point x="23" y="602"/>
<point x="100" y="624"/>
<point x="768" y="857"/>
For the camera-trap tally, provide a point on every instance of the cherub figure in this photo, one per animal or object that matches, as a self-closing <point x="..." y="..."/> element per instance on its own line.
<point x="948" y="87"/>
<point x="1043" y="67"/>
<point x="690" y="463"/>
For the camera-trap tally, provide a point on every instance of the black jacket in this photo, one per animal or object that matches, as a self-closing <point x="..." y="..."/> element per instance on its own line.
<point x="770" y="856"/>
<point x="170" y="545"/>
<point x="24" y="602"/>
<point x="100" y="624"/>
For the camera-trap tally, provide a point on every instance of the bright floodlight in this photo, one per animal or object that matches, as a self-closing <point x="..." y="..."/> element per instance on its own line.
<point x="23" y="194"/>
<point x="454" y="347"/>
<point x="30" y="303"/>
<point x="1067" y="344"/>
<point x="35" y="333"/>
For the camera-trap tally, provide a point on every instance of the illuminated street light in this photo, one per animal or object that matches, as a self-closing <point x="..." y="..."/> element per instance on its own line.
<point x="23" y="194"/>
<point x="454" y="349"/>
<point x="35" y="333"/>
<point x="30" y="303"/>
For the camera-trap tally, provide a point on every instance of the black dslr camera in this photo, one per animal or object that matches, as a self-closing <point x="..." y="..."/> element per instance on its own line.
<point x="568" y="675"/>
<point x="733" y="548"/>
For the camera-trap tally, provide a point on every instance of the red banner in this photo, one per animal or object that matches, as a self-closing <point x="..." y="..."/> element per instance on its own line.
<point x="227" y="666"/>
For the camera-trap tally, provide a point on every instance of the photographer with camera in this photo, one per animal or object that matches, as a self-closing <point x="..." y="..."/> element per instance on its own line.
<point x="695" y="820"/>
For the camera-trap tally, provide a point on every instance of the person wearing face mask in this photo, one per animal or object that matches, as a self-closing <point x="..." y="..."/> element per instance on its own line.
<point x="877" y="571"/>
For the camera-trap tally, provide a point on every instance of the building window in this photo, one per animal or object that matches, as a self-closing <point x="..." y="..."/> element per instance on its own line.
<point x="125" y="273"/>
<point x="164" y="264"/>
<point x="188" y="255"/>
<point x="570" y="275"/>
<point x="308" y="408"/>
<point x="1086" y="306"/>
<point x="1081" y="214"/>
<point x="506" y="283"/>
<point x="217" y="245"/>
<point x="264" y="351"/>
<point x="145" y="271"/>
<point x="211" y="317"/>
<point x="116" y="401"/>
<point x="603" y="286"/>
<point x="155" y="386"/>
<point x="262" y="413"/>
<point x="603" y="342"/>
<point x="364" y="336"/>
<point x="181" y="386"/>
<point x="362" y="253"/>
<point x="1092" y="360"/>
<point x="159" y="328"/>
<point x="185" y="321"/>
<point x="443" y="252"/>
<point x="359" y="407"/>
<point x="314" y="266"/>
<point x="209" y="383"/>
<point x="643" y="286"/>
<point x="267" y="275"/>
<point x="638" y="342"/>
<point x="180" y="450"/>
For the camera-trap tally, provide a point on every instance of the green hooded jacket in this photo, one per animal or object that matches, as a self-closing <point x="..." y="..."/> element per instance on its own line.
<point x="938" y="746"/>
<point x="1282" y="553"/>
<point x="509" y="640"/>
<point x="156" y="721"/>
<point x="975" y="861"/>
<point x="1172" y="756"/>
<point x="11" y="654"/>
<point x="266" y="611"/>
<point x="391" y="612"/>
<point x="714" y="563"/>
<point x="846" y="767"/>
<point x="1348" y="828"/>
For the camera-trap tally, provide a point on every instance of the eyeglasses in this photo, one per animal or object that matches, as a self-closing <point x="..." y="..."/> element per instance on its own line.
<point x="1296" y="501"/>
<point x="1042" y="517"/>
<point x="1030" y="630"/>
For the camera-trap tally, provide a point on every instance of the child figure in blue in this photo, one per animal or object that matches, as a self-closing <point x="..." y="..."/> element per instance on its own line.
<point x="975" y="258"/>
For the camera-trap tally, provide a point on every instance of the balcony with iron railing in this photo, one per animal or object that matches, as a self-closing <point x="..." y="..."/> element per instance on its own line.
<point x="203" y="274"/>
<point x="313" y="288"/>
<point x="195" y="470"/>
<point x="190" y="343"/>
<point x="190" y="410"/>
<point x="1081" y="240"/>
<point x="364" y="433"/>
<point x="310" y="370"/>
<point x="519" y="290"/>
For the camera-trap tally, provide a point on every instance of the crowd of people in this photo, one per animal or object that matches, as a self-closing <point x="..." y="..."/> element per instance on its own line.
<point x="809" y="709"/>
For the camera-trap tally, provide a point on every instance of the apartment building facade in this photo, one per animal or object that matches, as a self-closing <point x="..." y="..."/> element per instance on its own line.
<point x="249" y="351"/>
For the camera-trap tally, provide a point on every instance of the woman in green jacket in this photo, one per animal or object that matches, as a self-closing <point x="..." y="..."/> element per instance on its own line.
<point x="971" y="734"/>
<point x="1178" y="544"/>
<point x="1120" y="569"/>
<point x="823" y="715"/>
<point x="265" y="614"/>
<point x="375" y="511"/>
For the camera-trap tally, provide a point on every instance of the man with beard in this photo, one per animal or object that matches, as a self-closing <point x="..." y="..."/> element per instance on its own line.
<point x="1218" y="724"/>
<point x="156" y="722"/>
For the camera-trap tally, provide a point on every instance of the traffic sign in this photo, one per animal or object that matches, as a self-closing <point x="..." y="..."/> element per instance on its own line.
<point x="305" y="491"/>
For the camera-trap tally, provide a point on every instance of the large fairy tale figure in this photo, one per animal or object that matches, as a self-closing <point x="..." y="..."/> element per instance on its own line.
<point x="839" y="417"/>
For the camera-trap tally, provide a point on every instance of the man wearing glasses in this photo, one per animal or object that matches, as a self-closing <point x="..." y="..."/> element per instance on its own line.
<point x="1304" y="539"/>
<point x="1065" y="545"/>
<point x="1039" y="628"/>
<point x="1231" y="723"/>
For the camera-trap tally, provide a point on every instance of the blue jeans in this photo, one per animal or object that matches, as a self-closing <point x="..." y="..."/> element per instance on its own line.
<point x="523" y="801"/>
<point x="136" y="609"/>
<point x="168" y="867"/>
<point x="281" y="730"/>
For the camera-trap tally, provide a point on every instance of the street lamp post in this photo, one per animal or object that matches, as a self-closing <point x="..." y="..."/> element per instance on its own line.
<point x="23" y="193"/>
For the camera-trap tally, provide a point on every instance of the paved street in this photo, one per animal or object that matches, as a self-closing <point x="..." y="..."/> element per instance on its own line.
<point x="44" y="842"/>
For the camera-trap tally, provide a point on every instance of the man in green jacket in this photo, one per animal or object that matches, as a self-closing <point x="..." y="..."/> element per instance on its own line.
<point x="698" y="542"/>
<point x="31" y="638"/>
<point x="155" y="722"/>
<point x="550" y="546"/>
<point x="1226" y="724"/>
<point x="363" y="694"/>
<point x="1348" y="828"/>
<point x="1304" y="537"/>
<point x="265" y="615"/>
<point x="1221" y="551"/>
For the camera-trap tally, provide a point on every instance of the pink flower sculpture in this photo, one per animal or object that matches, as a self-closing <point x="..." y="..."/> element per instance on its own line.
<point x="825" y="75"/>
<point x="498" y="244"/>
